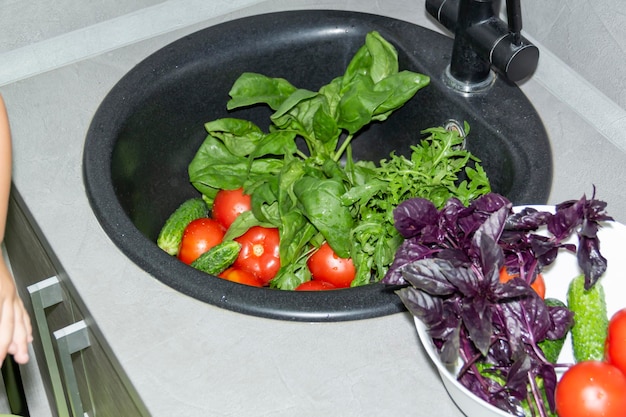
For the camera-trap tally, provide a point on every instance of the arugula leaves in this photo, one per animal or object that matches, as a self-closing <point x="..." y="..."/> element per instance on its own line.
<point x="308" y="195"/>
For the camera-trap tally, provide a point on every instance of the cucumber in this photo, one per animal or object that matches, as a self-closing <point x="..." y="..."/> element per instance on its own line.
<point x="591" y="320"/>
<point x="218" y="258"/>
<point x="172" y="232"/>
<point x="552" y="348"/>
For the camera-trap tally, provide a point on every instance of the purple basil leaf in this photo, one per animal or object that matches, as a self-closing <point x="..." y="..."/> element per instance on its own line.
<point x="508" y="403"/>
<point x="501" y="351"/>
<point x="448" y="326"/>
<point x="412" y="215"/>
<point x="432" y="276"/>
<point x="455" y="256"/>
<point x="435" y="276"/>
<point x="448" y="335"/>
<point x="548" y="375"/>
<point x="511" y="331"/>
<point x="514" y="288"/>
<point x="409" y="251"/>
<point x="532" y="313"/>
<point x="490" y="203"/>
<point x="590" y="260"/>
<point x="527" y="219"/>
<point x="589" y="228"/>
<point x="487" y="251"/>
<point x="562" y="320"/>
<point x="452" y="210"/>
<point x="545" y="250"/>
<point x="425" y="307"/>
<point x="566" y="219"/>
<point x="441" y="325"/>
<point x="527" y="322"/>
<point x="470" y="219"/>
<point x="465" y="281"/>
<point x="476" y="314"/>
<point x="594" y="211"/>
<point x="517" y="378"/>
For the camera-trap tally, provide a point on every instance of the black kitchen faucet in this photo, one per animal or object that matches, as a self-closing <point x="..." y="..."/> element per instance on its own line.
<point x="482" y="42"/>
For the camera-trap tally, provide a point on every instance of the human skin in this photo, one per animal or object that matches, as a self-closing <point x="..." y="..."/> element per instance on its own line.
<point x="15" y="325"/>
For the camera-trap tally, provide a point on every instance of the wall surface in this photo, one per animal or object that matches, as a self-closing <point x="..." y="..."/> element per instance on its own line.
<point x="22" y="23"/>
<point x="588" y="35"/>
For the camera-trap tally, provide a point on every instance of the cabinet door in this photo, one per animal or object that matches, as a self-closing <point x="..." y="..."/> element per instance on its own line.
<point x="90" y="376"/>
<point x="48" y="308"/>
<point x="81" y="375"/>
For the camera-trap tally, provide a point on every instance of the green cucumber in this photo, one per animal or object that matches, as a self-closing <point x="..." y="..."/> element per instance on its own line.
<point x="552" y="348"/>
<point x="590" y="320"/>
<point x="172" y="232"/>
<point x="218" y="258"/>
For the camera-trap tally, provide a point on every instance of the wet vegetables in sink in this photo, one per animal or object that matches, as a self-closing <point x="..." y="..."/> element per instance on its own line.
<point x="318" y="194"/>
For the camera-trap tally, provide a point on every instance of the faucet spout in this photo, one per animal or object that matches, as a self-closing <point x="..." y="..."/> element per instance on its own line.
<point x="482" y="42"/>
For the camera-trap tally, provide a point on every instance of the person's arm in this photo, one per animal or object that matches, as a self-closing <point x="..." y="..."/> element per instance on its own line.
<point x="15" y="326"/>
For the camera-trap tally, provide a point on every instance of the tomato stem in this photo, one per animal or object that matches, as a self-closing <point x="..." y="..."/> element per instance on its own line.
<point x="257" y="249"/>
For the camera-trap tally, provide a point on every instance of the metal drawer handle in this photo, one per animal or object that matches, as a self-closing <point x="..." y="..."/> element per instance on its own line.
<point x="72" y="339"/>
<point x="44" y="294"/>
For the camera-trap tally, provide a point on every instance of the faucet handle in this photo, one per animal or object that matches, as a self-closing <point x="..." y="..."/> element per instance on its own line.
<point x="514" y="56"/>
<point x="514" y="19"/>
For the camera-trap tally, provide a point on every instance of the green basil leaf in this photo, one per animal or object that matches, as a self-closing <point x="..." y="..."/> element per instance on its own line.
<point x="376" y="59"/>
<point x="205" y="168"/>
<point x="359" y="65"/>
<point x="239" y="136"/>
<point x="214" y="167"/>
<point x="402" y="87"/>
<point x="358" y="104"/>
<point x="332" y="169"/>
<point x="384" y="57"/>
<point x="295" y="234"/>
<point x="242" y="224"/>
<point x="320" y="201"/>
<point x="251" y="88"/>
<point x="279" y="142"/>
<point x="264" y="202"/>
<point x="332" y="93"/>
<point x="325" y="129"/>
<point x="293" y="101"/>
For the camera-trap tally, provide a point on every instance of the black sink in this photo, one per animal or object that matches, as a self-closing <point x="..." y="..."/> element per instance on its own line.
<point x="150" y="125"/>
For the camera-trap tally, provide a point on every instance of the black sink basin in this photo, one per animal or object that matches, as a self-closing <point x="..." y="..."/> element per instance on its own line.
<point x="150" y="125"/>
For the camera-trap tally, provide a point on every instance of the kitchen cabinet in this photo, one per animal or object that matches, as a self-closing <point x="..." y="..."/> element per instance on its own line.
<point x="80" y="375"/>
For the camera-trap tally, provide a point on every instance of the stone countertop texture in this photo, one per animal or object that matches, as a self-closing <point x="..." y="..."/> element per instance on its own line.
<point x="186" y="358"/>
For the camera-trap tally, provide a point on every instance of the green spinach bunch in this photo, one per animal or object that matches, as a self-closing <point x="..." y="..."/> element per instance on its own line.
<point x="309" y="195"/>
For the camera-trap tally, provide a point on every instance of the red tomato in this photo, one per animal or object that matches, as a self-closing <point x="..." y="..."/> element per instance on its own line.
<point x="590" y="389"/>
<point x="326" y="266"/>
<point x="315" y="285"/>
<point x="616" y="340"/>
<point x="199" y="236"/>
<point x="242" y="277"/>
<point x="539" y="285"/>
<point x="229" y="204"/>
<point x="259" y="252"/>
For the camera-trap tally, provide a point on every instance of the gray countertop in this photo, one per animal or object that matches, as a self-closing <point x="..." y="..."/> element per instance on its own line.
<point x="186" y="358"/>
